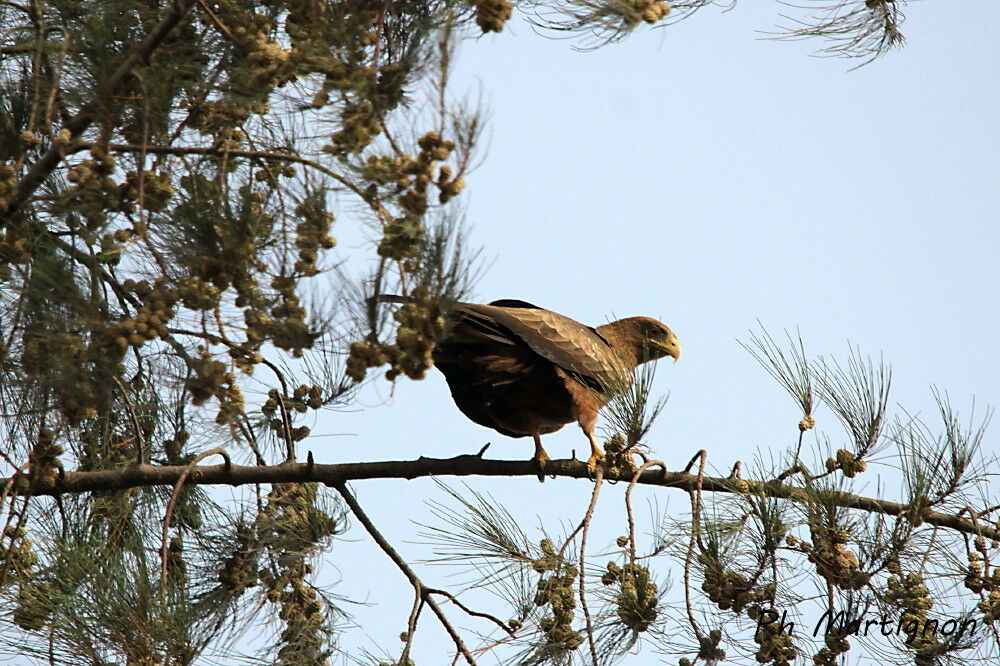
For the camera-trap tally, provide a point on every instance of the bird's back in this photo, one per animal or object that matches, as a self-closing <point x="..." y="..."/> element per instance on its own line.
<point x="576" y="348"/>
<point x="508" y="365"/>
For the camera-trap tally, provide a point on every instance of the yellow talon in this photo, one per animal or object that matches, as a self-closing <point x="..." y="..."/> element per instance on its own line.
<point x="540" y="458"/>
<point x="593" y="461"/>
<point x="596" y="455"/>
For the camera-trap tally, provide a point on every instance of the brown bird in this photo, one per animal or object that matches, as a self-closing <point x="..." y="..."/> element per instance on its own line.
<point x="522" y="370"/>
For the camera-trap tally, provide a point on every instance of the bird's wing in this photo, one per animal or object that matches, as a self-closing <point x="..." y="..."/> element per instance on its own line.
<point x="471" y="325"/>
<point x="513" y="303"/>
<point x="567" y="343"/>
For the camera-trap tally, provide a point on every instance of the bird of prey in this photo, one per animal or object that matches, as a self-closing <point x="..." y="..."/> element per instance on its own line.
<point x="523" y="370"/>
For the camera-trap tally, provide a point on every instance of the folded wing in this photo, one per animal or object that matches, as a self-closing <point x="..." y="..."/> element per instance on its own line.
<point x="565" y="342"/>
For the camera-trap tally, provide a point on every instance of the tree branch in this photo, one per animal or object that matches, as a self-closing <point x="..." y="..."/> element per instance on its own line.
<point x="169" y="511"/>
<point x="422" y="591"/>
<point x="486" y="616"/>
<point x="76" y="125"/>
<point x="464" y="465"/>
<point x="212" y="151"/>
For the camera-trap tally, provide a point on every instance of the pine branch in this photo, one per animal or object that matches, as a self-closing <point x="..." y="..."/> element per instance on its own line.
<point x="464" y="465"/>
<point x="422" y="590"/>
<point x="85" y="117"/>
<point x="252" y="154"/>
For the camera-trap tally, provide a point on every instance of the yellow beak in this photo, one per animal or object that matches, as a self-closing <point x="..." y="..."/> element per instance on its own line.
<point x="671" y="347"/>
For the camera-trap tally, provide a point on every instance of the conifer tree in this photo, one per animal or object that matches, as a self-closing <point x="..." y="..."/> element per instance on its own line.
<point x="169" y="177"/>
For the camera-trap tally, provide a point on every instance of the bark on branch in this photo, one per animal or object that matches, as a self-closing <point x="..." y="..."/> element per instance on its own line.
<point x="464" y="465"/>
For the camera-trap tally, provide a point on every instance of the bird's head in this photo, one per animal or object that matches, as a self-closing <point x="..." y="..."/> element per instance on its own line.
<point x="646" y="337"/>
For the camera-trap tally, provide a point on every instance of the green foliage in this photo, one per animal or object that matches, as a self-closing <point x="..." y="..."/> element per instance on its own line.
<point x="749" y="554"/>
<point x="175" y="250"/>
<point x="170" y="283"/>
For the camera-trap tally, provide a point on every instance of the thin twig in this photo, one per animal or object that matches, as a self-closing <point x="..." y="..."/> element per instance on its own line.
<point x="401" y="564"/>
<point x="695" y="495"/>
<point x="168" y="512"/>
<point x="142" y="229"/>
<point x="453" y="599"/>
<point x="10" y="483"/>
<point x="286" y="423"/>
<point x="220" y="26"/>
<point x="411" y="625"/>
<point x="10" y="516"/>
<point x="7" y="559"/>
<point x="140" y="454"/>
<point x="628" y="504"/>
<point x="585" y="524"/>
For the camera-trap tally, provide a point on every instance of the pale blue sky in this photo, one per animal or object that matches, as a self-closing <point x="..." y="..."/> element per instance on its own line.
<point x="711" y="179"/>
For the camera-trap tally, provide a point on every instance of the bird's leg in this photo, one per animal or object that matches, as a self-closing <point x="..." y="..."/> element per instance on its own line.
<point x="596" y="453"/>
<point x="540" y="457"/>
